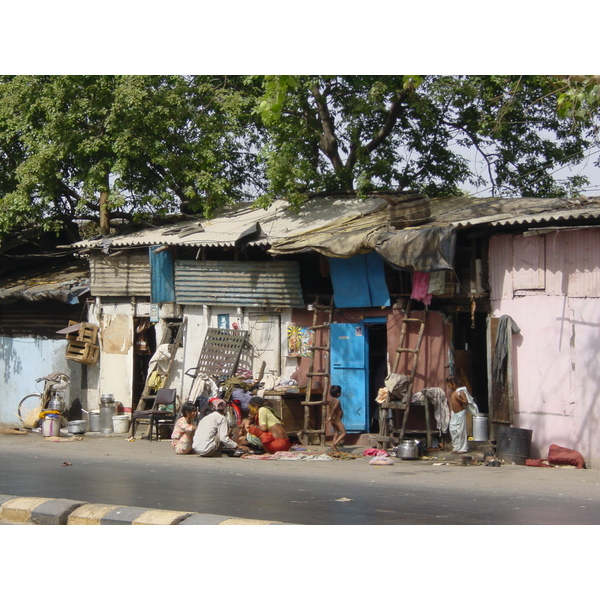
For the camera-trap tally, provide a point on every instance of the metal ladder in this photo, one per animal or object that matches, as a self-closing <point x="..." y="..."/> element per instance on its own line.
<point x="319" y="348"/>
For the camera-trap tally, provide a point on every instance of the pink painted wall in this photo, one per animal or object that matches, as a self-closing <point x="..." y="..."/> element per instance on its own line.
<point x="550" y="286"/>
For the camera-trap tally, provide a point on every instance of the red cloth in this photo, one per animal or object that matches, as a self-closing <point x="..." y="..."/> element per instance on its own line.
<point x="557" y="455"/>
<point x="270" y="444"/>
<point x="536" y="462"/>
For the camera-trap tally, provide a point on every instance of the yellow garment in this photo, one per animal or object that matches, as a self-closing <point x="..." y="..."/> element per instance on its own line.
<point x="156" y="380"/>
<point x="267" y="417"/>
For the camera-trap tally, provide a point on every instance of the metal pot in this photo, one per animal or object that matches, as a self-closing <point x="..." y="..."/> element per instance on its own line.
<point x="56" y="403"/>
<point x="408" y="450"/>
<point x="76" y="426"/>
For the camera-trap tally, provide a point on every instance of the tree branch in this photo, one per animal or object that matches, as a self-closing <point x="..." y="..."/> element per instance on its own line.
<point x="391" y="119"/>
<point x="327" y="141"/>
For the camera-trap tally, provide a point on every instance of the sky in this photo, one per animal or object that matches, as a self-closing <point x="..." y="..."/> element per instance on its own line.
<point x="316" y="36"/>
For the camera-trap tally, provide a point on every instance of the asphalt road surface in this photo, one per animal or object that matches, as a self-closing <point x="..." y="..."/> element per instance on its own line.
<point x="111" y="470"/>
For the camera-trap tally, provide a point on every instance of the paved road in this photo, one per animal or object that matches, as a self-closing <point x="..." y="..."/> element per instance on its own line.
<point x="108" y="469"/>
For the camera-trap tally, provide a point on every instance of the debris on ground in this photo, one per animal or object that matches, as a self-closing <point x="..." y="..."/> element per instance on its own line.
<point x="381" y="461"/>
<point x="13" y="431"/>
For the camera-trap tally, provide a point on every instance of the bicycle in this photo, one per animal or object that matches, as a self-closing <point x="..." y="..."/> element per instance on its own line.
<point x="217" y="387"/>
<point x="32" y="407"/>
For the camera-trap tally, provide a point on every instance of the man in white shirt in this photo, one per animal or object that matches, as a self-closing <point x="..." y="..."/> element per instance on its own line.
<point x="213" y="433"/>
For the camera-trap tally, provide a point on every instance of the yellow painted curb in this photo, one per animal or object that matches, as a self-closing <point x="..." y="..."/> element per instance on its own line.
<point x="234" y="521"/>
<point x="19" y="509"/>
<point x="160" y="517"/>
<point x="89" y="514"/>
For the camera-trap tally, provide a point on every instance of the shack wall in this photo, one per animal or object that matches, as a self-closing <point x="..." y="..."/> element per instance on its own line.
<point x="25" y="359"/>
<point x="552" y="292"/>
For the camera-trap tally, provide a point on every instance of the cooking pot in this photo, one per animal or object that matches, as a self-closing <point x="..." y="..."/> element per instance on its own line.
<point x="408" y="450"/>
<point x="76" y="426"/>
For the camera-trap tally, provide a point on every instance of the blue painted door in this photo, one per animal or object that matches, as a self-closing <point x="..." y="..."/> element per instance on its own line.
<point x="349" y="370"/>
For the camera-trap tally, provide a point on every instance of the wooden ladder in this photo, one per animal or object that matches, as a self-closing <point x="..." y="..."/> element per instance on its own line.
<point x="319" y="348"/>
<point x="172" y="331"/>
<point x="397" y="435"/>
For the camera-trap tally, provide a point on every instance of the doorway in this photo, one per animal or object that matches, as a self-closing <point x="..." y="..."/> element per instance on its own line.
<point x="470" y="355"/>
<point x="359" y="367"/>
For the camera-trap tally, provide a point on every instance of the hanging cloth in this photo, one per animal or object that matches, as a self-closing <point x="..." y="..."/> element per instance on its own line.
<point x="506" y="326"/>
<point x="420" y="289"/>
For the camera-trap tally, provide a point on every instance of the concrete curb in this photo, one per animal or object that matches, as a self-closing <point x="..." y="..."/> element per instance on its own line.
<point x="51" y="511"/>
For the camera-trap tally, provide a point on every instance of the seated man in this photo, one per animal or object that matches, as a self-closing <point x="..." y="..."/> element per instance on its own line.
<point x="212" y="434"/>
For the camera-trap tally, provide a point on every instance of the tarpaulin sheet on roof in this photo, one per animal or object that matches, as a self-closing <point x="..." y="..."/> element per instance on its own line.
<point x="65" y="284"/>
<point x="422" y="250"/>
<point x="341" y="238"/>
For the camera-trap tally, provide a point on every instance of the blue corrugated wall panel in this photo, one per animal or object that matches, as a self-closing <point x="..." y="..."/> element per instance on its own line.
<point x="162" y="276"/>
<point x="359" y="281"/>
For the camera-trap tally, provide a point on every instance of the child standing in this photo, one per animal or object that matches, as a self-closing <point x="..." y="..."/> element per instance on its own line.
<point x="335" y="417"/>
<point x="460" y="401"/>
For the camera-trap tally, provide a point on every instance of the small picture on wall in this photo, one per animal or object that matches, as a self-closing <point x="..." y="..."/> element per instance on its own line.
<point x="298" y="340"/>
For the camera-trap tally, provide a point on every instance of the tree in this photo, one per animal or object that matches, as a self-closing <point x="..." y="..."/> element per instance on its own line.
<point x="401" y="132"/>
<point x="95" y="147"/>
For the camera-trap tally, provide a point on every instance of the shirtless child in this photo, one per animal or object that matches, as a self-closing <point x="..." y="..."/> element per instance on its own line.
<point x="335" y="417"/>
<point x="458" y="420"/>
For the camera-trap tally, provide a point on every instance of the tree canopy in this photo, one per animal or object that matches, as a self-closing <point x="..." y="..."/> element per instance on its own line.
<point x="86" y="147"/>
<point x="141" y="144"/>
<point x="402" y="132"/>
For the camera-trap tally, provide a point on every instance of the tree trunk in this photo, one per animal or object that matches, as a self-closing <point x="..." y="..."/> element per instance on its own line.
<point x="104" y="214"/>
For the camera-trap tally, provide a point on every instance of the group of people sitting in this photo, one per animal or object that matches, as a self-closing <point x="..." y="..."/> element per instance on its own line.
<point x="209" y="434"/>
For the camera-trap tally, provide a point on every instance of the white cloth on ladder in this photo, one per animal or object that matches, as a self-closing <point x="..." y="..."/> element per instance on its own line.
<point x="441" y="410"/>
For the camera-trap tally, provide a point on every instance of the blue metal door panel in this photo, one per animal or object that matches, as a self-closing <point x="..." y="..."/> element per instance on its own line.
<point x="348" y="358"/>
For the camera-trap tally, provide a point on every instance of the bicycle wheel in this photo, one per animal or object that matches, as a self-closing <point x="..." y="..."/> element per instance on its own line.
<point x="29" y="410"/>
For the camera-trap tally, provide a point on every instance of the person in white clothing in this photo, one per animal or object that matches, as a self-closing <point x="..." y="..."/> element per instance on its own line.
<point x="212" y="434"/>
<point x="460" y="401"/>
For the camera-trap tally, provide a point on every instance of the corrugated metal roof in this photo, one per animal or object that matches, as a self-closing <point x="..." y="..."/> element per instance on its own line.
<point x="494" y="212"/>
<point x="279" y="221"/>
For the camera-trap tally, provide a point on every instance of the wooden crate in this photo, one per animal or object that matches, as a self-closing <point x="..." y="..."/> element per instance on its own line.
<point x="83" y="352"/>
<point x="86" y="333"/>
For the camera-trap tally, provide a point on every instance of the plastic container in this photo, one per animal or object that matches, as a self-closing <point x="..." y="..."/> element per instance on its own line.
<point x="120" y="423"/>
<point x="480" y="428"/>
<point x="51" y="426"/>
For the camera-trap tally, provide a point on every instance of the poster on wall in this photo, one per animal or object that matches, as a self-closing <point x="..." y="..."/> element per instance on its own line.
<point x="299" y="340"/>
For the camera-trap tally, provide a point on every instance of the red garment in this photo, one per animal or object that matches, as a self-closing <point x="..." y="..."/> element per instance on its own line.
<point x="270" y="444"/>
<point x="557" y="455"/>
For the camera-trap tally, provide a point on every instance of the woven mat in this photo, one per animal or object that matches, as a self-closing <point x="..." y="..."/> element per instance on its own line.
<point x="281" y="455"/>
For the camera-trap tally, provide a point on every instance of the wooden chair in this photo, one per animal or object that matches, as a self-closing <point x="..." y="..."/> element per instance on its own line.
<point x="163" y="412"/>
